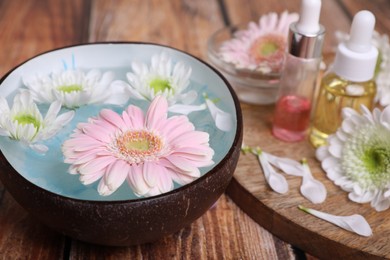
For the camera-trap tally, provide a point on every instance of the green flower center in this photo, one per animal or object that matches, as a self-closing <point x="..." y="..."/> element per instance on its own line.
<point x="376" y="160"/>
<point x="25" y="119"/>
<point x="267" y="46"/>
<point x="366" y="157"/>
<point x="160" y="85"/>
<point x="70" y="88"/>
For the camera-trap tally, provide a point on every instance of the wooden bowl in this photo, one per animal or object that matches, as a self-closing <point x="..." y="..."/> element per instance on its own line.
<point x="118" y="221"/>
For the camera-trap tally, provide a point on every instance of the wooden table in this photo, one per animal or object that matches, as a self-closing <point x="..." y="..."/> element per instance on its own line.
<point x="29" y="27"/>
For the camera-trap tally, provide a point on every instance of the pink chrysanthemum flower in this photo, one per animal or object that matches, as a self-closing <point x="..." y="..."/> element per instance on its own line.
<point x="149" y="151"/>
<point x="262" y="45"/>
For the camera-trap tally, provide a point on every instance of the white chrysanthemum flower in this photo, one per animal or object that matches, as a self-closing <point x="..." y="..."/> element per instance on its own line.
<point x="161" y="78"/>
<point x="382" y="71"/>
<point x="74" y="88"/>
<point x="357" y="157"/>
<point x="24" y="122"/>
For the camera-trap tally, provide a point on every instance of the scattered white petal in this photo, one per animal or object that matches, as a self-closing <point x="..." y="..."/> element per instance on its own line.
<point x="275" y="180"/>
<point x="354" y="223"/>
<point x="186" y="109"/>
<point x="222" y="119"/>
<point x="311" y="188"/>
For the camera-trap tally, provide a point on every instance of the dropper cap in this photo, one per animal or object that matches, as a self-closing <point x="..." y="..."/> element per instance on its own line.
<point x="306" y="36"/>
<point x="356" y="58"/>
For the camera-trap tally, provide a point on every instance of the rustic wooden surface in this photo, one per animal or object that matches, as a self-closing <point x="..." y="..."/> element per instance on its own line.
<point x="279" y="214"/>
<point x="29" y="27"/>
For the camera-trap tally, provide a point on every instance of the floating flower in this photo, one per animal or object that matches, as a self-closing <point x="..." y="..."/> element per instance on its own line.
<point x="147" y="82"/>
<point x="74" y="88"/>
<point x="24" y="122"/>
<point x="357" y="157"/>
<point x="354" y="223"/>
<point x="150" y="152"/>
<point x="382" y="71"/>
<point x="262" y="45"/>
<point x="222" y="119"/>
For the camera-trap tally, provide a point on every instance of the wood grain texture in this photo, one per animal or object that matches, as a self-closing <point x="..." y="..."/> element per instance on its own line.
<point x="31" y="27"/>
<point x="380" y="8"/>
<point x="21" y="237"/>
<point x="279" y="214"/>
<point x="26" y="29"/>
<point x="185" y="25"/>
<point x="222" y="233"/>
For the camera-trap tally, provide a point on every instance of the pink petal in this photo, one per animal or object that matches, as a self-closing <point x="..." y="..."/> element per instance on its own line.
<point x="116" y="174"/>
<point x="183" y="166"/>
<point x="165" y="183"/>
<point x="137" y="117"/>
<point x="150" y="171"/>
<point x="176" y="126"/>
<point x="103" y="188"/>
<point x="96" y="165"/>
<point x="91" y="178"/>
<point x="181" y="179"/>
<point x="136" y="180"/>
<point x="157" y="111"/>
<point x="98" y="132"/>
<point x="191" y="139"/>
<point x="113" y="118"/>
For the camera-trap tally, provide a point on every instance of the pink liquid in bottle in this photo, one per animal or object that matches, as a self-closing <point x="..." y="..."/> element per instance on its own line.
<point x="291" y="118"/>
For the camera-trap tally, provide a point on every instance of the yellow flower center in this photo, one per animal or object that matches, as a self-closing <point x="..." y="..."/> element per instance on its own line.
<point x="138" y="146"/>
<point x="70" y="88"/>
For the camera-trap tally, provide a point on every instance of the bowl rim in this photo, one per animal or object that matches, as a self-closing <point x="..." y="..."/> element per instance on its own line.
<point x="237" y="137"/>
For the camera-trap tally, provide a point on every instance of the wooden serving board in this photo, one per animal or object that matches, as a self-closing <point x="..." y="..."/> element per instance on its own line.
<point x="279" y="213"/>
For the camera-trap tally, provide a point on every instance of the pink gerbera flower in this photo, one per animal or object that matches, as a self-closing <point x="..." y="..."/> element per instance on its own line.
<point x="150" y="152"/>
<point x="261" y="46"/>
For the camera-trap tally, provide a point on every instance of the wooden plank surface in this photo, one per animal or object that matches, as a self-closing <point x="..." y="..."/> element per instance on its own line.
<point x="30" y="27"/>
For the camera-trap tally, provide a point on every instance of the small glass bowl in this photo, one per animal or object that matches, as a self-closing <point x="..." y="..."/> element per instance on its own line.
<point x="251" y="86"/>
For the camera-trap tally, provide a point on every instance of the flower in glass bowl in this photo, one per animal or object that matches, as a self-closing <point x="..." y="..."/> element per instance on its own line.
<point x="357" y="157"/>
<point x="149" y="151"/>
<point x="74" y="88"/>
<point x="160" y="78"/>
<point x="261" y="46"/>
<point x="24" y="122"/>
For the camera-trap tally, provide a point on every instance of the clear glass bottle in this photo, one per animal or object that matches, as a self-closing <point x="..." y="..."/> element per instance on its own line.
<point x="293" y="108"/>
<point x="349" y="83"/>
<point x="297" y="85"/>
<point x="335" y="94"/>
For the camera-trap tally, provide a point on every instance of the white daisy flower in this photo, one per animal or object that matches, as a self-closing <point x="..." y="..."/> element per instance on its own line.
<point x="74" y="88"/>
<point x="24" y="122"/>
<point x="160" y="78"/>
<point x="357" y="156"/>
